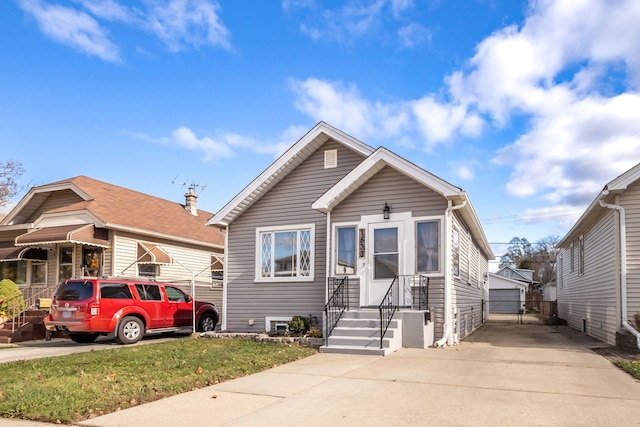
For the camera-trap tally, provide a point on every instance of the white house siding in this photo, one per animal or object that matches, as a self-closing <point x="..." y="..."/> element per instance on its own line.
<point x="288" y="203"/>
<point x="594" y="295"/>
<point x="468" y="289"/>
<point x="630" y="199"/>
<point x="187" y="259"/>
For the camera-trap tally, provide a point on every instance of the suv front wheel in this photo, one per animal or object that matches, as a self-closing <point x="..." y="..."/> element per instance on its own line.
<point x="130" y="330"/>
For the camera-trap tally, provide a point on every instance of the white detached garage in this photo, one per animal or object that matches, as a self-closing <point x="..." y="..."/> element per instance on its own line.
<point x="506" y="295"/>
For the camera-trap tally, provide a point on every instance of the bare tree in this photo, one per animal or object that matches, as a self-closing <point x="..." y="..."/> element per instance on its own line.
<point x="10" y="172"/>
<point x="540" y="257"/>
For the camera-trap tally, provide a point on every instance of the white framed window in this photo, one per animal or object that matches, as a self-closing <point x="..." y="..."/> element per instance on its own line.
<point x="148" y="270"/>
<point x="581" y="256"/>
<point x="572" y="261"/>
<point x="428" y="246"/>
<point x="38" y="273"/>
<point x="285" y="253"/>
<point x="345" y="254"/>
<point x="561" y="272"/>
<point x="65" y="263"/>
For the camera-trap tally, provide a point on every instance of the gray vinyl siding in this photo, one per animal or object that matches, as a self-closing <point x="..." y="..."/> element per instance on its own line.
<point x="55" y="200"/>
<point x="630" y="199"/>
<point x="468" y="291"/>
<point x="402" y="193"/>
<point x="288" y="203"/>
<point x="594" y="295"/>
<point x="436" y="304"/>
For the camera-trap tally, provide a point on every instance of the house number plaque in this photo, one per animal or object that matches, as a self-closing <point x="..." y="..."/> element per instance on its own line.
<point x="361" y="245"/>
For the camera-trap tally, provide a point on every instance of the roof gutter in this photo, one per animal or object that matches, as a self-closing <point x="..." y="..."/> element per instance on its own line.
<point x="448" y="336"/>
<point x="623" y="263"/>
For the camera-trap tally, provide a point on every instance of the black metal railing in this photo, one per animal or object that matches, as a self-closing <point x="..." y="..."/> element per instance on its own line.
<point x="337" y="303"/>
<point x="410" y="292"/>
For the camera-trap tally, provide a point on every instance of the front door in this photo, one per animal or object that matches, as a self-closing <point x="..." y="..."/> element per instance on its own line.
<point x="385" y="259"/>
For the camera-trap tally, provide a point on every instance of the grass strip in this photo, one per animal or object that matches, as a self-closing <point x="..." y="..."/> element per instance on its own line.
<point x="632" y="367"/>
<point x="76" y="387"/>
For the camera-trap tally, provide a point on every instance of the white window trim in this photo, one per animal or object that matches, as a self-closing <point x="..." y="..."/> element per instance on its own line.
<point x="258" y="253"/>
<point x="30" y="274"/>
<point x="572" y="260"/>
<point x="334" y="246"/>
<point x="441" y="236"/>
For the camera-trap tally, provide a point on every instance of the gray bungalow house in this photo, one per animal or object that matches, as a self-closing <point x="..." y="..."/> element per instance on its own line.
<point x="598" y="283"/>
<point x="376" y="251"/>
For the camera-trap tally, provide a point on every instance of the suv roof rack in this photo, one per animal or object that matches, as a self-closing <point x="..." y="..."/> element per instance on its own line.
<point x="138" y="278"/>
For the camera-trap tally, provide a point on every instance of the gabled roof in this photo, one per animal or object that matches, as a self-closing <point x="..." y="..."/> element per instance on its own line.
<point x="122" y="209"/>
<point x="616" y="186"/>
<point x="287" y="162"/>
<point x="383" y="157"/>
<point x="496" y="276"/>
<point x="517" y="274"/>
<point x="372" y="165"/>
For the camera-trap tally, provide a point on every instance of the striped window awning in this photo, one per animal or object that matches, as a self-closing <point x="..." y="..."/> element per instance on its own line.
<point x="152" y="253"/>
<point x="85" y="234"/>
<point x="9" y="252"/>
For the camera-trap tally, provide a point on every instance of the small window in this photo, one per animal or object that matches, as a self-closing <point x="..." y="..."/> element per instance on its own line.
<point x="91" y="261"/>
<point x="115" y="291"/>
<point x="428" y="246"/>
<point x="148" y="292"/>
<point x="66" y="263"/>
<point x="345" y="250"/>
<point x="16" y="271"/>
<point x="148" y="270"/>
<point x="572" y="262"/>
<point x="175" y="295"/>
<point x="581" y="256"/>
<point x="285" y="254"/>
<point x="38" y="273"/>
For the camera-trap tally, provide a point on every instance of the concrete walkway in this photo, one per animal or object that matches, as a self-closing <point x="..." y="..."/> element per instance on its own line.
<point x="503" y="374"/>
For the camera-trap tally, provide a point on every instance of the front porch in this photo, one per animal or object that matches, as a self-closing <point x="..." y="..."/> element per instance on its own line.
<point x="402" y="319"/>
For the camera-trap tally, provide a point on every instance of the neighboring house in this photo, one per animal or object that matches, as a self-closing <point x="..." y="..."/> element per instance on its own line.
<point x="507" y="294"/>
<point x="84" y="227"/>
<point x="598" y="282"/>
<point x="332" y="207"/>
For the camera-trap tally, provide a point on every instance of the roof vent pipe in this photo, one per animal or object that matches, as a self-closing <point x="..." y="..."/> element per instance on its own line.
<point x="190" y="201"/>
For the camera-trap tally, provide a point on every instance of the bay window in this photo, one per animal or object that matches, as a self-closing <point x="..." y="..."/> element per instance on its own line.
<point x="284" y="253"/>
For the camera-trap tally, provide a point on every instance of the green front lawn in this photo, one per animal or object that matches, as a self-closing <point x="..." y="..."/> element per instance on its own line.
<point x="632" y="367"/>
<point x="70" y="388"/>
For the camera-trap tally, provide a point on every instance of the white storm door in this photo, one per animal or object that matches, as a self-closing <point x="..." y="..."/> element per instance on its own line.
<point x="385" y="258"/>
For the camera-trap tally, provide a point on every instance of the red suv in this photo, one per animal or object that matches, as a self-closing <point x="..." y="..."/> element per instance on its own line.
<point x="88" y="307"/>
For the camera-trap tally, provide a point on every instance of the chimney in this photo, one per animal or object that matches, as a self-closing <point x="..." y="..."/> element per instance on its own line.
<point x="190" y="201"/>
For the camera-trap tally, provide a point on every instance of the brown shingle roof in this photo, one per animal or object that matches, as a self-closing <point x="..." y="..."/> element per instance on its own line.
<point x="122" y="207"/>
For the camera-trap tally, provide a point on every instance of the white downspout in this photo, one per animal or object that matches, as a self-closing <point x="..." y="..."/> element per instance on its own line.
<point x="225" y="280"/>
<point x="447" y="331"/>
<point x="623" y="265"/>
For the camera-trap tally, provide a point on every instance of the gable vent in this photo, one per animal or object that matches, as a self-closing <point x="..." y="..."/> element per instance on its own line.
<point x="330" y="159"/>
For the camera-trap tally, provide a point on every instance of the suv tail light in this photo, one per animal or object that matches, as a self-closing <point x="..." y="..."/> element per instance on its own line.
<point x="94" y="309"/>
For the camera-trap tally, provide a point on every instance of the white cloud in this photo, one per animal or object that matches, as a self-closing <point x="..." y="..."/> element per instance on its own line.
<point x="465" y="173"/>
<point x="347" y="110"/>
<point x="413" y="34"/>
<point x="178" y="23"/>
<point x="225" y="146"/>
<point x="72" y="28"/>
<point x="191" y="22"/>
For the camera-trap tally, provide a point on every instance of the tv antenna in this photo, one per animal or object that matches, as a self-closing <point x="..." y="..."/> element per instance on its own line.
<point x="190" y="185"/>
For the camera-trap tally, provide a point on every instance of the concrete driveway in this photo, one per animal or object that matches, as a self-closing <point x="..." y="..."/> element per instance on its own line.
<point x="504" y="374"/>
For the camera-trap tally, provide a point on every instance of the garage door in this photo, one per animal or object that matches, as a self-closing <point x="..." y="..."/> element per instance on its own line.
<point x="504" y="300"/>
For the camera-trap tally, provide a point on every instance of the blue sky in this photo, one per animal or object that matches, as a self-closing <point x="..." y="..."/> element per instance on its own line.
<point x="531" y="107"/>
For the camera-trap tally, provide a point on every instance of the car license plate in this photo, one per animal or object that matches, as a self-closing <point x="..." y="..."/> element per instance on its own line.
<point x="66" y="314"/>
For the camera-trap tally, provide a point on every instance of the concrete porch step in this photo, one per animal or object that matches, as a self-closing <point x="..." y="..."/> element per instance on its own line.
<point x="347" y="349"/>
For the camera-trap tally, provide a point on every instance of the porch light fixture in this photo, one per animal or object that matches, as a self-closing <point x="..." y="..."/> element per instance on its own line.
<point x="386" y="211"/>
